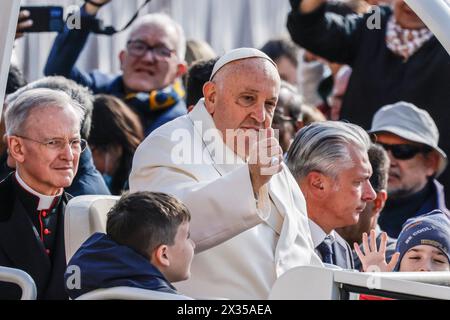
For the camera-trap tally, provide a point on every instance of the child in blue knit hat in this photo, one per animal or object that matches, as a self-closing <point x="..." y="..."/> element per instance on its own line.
<point x="423" y="245"/>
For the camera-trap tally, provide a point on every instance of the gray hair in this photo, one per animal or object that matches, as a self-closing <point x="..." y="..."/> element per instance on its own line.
<point x="165" y="22"/>
<point x="19" y="111"/>
<point x="82" y="95"/>
<point x="323" y="147"/>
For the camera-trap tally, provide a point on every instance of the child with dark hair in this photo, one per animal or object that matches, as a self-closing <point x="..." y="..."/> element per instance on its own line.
<point x="198" y="74"/>
<point x="146" y="246"/>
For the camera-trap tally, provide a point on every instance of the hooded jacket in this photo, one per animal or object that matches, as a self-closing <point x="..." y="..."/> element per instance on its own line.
<point x="103" y="263"/>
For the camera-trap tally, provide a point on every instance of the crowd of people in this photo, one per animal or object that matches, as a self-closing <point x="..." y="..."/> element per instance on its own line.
<point x="319" y="150"/>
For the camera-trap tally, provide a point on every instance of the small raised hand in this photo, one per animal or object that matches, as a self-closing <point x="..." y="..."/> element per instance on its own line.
<point x="373" y="258"/>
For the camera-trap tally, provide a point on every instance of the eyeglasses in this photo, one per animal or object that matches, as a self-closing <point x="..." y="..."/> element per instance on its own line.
<point x="139" y="48"/>
<point x="405" y="151"/>
<point x="59" y="144"/>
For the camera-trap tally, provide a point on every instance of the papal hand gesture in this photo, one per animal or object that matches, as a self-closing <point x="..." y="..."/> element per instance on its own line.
<point x="373" y="258"/>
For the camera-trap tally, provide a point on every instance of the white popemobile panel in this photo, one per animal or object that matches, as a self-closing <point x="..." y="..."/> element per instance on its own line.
<point x="8" y="23"/>
<point x="436" y="15"/>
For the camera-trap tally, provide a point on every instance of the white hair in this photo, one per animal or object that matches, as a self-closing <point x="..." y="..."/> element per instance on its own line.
<point x="79" y="93"/>
<point x="18" y="112"/>
<point x="165" y="22"/>
<point x="323" y="147"/>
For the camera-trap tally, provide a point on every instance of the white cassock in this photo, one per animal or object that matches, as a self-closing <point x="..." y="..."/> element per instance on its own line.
<point x="244" y="245"/>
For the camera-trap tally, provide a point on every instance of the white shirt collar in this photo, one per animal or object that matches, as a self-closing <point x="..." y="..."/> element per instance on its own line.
<point x="45" y="202"/>
<point x="318" y="235"/>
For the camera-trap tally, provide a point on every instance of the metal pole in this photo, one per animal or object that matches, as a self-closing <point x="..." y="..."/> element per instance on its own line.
<point x="8" y="23"/>
<point x="22" y="279"/>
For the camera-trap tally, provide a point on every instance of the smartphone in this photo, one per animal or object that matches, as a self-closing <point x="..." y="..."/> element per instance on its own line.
<point x="45" y="18"/>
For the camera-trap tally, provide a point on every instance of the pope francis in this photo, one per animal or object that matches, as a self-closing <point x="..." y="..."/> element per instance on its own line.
<point x="222" y="160"/>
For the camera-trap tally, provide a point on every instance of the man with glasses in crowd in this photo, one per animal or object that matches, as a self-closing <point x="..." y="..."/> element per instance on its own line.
<point x="410" y="137"/>
<point x="33" y="198"/>
<point x="151" y="63"/>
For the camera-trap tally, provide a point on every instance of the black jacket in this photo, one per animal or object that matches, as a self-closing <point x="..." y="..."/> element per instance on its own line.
<point x="21" y="248"/>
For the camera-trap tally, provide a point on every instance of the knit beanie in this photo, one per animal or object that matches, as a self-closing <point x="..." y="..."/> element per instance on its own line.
<point x="431" y="229"/>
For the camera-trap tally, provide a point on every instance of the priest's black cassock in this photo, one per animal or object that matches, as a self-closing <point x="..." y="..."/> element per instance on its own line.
<point x="32" y="238"/>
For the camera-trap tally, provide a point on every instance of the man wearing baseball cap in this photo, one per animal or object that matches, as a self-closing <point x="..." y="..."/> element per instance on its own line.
<point x="410" y="137"/>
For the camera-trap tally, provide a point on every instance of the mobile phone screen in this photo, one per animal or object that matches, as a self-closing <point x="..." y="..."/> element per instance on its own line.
<point x="45" y="18"/>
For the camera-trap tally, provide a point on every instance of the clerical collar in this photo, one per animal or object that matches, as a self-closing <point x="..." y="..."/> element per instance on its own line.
<point x="45" y="202"/>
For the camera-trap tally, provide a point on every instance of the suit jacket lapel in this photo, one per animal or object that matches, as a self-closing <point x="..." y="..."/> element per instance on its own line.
<point x="339" y="257"/>
<point x="342" y="256"/>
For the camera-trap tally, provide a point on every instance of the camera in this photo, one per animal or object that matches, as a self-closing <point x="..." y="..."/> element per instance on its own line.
<point x="51" y="19"/>
<point x="45" y="18"/>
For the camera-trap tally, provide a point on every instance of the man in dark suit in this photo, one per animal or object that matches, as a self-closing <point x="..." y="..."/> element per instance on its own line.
<point x="330" y="163"/>
<point x="43" y="134"/>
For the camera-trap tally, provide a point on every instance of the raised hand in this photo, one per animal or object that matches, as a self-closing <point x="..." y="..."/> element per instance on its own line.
<point x="373" y="258"/>
<point x="23" y="23"/>
<point x="265" y="159"/>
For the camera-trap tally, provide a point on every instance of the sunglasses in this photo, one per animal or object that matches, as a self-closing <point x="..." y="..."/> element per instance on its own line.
<point x="405" y="151"/>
